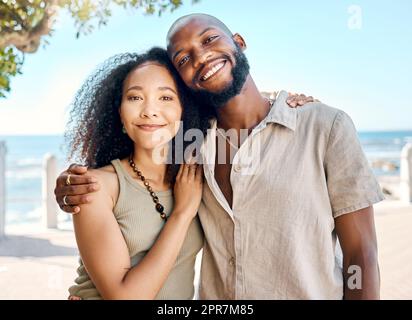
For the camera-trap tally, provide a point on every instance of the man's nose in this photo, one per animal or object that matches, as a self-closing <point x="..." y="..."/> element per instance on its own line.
<point x="200" y="56"/>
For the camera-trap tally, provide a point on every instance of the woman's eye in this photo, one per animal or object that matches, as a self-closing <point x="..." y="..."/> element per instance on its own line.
<point x="209" y="39"/>
<point x="166" y="98"/>
<point x="133" y="98"/>
<point x="183" y="60"/>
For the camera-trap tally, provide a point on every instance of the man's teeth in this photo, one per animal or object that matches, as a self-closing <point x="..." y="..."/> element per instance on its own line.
<point x="211" y="72"/>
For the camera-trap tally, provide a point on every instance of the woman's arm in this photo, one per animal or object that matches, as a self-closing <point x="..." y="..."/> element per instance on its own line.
<point x="105" y="253"/>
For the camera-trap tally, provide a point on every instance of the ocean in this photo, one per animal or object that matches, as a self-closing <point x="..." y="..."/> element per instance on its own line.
<point x="25" y="157"/>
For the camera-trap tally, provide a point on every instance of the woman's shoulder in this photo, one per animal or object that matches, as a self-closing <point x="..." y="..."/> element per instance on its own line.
<point x="103" y="172"/>
<point x="105" y="175"/>
<point x="108" y="182"/>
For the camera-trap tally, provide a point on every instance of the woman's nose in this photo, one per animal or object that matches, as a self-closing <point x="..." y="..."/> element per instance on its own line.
<point x="149" y="110"/>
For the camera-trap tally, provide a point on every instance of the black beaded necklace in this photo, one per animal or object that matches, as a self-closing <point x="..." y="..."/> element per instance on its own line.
<point x="158" y="206"/>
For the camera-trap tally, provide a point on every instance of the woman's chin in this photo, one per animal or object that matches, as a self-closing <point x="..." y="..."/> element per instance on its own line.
<point x="152" y="146"/>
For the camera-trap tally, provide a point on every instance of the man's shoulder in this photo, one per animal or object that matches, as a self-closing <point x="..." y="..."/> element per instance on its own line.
<point x="316" y="110"/>
<point x="319" y="108"/>
<point x="320" y="114"/>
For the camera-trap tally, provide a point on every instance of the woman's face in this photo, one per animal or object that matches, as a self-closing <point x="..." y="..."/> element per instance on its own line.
<point x="150" y="109"/>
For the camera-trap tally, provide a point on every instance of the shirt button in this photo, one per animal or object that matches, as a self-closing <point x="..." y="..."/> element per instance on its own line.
<point x="232" y="261"/>
<point x="238" y="168"/>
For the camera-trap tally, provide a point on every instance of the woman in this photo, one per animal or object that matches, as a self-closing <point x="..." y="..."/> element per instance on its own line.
<point x="127" y="249"/>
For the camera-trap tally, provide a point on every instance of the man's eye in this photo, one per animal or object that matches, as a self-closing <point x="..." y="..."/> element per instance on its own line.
<point x="166" y="98"/>
<point x="209" y="39"/>
<point x="133" y="98"/>
<point x="183" y="60"/>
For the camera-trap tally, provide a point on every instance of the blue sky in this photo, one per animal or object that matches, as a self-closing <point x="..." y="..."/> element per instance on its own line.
<point x="353" y="55"/>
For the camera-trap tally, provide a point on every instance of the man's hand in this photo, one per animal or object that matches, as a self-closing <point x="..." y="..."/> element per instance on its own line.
<point x="296" y="100"/>
<point x="73" y="191"/>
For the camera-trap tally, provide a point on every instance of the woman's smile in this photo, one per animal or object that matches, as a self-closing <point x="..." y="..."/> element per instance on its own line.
<point x="150" y="127"/>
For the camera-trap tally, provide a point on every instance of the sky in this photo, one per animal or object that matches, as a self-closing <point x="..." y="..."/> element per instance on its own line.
<point x="352" y="55"/>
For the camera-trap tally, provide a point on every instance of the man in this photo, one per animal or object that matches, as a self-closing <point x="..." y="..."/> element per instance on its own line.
<point x="272" y="216"/>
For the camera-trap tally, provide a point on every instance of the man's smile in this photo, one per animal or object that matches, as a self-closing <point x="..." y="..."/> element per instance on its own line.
<point x="212" y="70"/>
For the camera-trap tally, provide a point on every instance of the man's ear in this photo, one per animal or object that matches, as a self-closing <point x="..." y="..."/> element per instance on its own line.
<point x="239" y="40"/>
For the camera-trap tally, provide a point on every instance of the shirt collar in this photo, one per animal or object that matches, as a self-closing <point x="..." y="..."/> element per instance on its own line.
<point x="281" y="113"/>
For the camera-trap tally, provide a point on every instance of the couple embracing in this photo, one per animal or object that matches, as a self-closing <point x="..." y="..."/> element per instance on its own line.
<point x="276" y="191"/>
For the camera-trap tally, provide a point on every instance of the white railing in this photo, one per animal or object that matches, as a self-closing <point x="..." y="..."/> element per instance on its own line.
<point x="2" y="188"/>
<point x="49" y="204"/>
<point x="406" y="174"/>
<point x="50" y="209"/>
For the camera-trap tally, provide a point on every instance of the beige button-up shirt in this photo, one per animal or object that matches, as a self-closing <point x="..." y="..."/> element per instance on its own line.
<point x="297" y="171"/>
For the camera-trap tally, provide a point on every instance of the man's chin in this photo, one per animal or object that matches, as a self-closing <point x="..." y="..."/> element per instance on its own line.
<point x="216" y="88"/>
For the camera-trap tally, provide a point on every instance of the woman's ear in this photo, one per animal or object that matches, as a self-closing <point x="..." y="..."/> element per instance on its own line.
<point x="237" y="38"/>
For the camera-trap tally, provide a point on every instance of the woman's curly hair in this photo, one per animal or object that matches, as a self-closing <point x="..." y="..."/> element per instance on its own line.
<point x="94" y="132"/>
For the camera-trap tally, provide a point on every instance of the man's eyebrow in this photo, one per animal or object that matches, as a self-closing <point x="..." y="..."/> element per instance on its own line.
<point x="176" y="54"/>
<point x="199" y="35"/>
<point x="204" y="31"/>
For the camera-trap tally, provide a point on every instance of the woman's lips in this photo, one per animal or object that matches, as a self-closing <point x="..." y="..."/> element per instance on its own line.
<point x="150" y="127"/>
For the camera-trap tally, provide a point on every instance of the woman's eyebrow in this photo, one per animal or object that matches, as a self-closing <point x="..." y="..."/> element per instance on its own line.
<point x="164" y="88"/>
<point x="134" y="88"/>
<point x="167" y="88"/>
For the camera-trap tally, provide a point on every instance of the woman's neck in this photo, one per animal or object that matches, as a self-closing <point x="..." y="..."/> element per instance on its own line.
<point x="151" y="169"/>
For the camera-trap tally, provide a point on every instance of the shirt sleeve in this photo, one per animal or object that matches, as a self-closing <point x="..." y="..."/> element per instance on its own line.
<point x="351" y="183"/>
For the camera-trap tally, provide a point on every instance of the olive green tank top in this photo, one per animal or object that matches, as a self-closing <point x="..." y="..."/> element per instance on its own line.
<point x="140" y="225"/>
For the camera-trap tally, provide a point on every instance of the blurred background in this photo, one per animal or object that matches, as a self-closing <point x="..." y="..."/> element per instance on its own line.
<point x="352" y="55"/>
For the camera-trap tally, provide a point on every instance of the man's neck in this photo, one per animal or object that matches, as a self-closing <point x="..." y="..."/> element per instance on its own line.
<point x="245" y="110"/>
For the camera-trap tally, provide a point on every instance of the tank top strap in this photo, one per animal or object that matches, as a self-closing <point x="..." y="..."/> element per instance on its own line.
<point x="121" y="177"/>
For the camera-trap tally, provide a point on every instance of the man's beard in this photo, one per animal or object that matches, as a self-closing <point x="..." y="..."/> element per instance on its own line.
<point x="217" y="100"/>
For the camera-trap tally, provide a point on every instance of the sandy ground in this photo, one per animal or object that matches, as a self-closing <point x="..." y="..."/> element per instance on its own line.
<point x="37" y="263"/>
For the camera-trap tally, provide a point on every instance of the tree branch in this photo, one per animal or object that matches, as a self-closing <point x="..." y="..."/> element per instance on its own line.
<point x="29" y="41"/>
